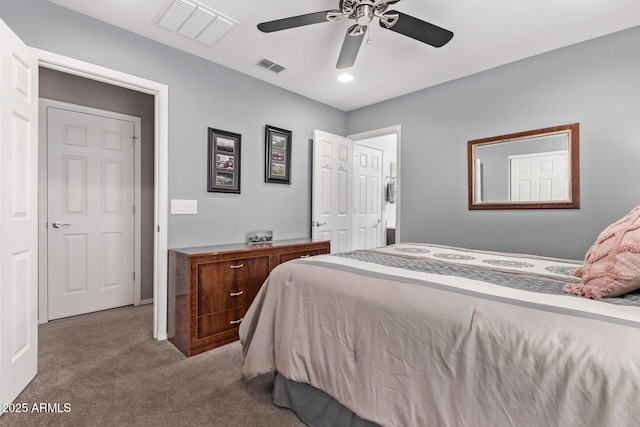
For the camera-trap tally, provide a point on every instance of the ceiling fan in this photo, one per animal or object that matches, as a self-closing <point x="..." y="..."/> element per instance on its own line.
<point x="363" y="12"/>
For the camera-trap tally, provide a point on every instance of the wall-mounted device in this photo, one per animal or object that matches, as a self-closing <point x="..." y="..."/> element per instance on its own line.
<point x="391" y="183"/>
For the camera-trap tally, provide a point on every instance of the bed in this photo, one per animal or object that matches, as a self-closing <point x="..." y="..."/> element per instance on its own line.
<point x="431" y="335"/>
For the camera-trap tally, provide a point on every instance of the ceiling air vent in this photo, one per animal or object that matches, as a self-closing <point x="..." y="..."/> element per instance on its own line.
<point x="271" y="65"/>
<point x="195" y="21"/>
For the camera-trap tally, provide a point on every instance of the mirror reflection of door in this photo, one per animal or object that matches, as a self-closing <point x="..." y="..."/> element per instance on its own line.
<point x="538" y="177"/>
<point x="536" y="169"/>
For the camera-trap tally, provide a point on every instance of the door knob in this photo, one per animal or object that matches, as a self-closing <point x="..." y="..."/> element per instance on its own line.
<point x="58" y="225"/>
<point x="318" y="223"/>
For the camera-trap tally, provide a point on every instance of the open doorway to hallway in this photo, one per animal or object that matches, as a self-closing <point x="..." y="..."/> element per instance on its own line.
<point x="356" y="188"/>
<point x="375" y="191"/>
<point x="74" y="89"/>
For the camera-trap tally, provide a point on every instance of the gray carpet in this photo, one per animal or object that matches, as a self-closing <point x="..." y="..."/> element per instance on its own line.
<point x="111" y="372"/>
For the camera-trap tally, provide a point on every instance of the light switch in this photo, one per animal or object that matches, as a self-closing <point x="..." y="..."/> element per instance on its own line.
<point x="184" y="207"/>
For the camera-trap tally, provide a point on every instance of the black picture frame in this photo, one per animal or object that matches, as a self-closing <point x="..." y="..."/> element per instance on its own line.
<point x="277" y="155"/>
<point x="224" y="161"/>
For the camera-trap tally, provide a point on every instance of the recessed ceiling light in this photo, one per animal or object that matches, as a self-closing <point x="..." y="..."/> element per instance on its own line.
<point x="345" y="78"/>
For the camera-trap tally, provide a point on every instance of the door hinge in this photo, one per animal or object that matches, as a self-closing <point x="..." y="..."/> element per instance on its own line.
<point x="134" y="209"/>
<point x="134" y="276"/>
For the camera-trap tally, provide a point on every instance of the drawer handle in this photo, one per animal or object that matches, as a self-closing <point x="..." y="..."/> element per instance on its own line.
<point x="237" y="266"/>
<point x="235" y="322"/>
<point x="236" y="294"/>
<point x="305" y="256"/>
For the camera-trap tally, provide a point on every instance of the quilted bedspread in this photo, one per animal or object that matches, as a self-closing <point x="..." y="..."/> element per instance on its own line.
<point x="426" y="335"/>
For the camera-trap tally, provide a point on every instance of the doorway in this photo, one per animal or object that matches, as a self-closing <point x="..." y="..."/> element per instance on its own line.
<point x="159" y="188"/>
<point x="334" y="188"/>
<point x="382" y="224"/>
<point x="95" y="100"/>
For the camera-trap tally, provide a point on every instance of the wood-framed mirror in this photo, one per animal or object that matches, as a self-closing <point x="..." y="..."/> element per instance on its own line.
<point x="536" y="169"/>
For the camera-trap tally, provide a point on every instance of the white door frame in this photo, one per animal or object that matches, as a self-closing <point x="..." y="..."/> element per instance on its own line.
<point x="43" y="241"/>
<point x="161" y="144"/>
<point x="381" y="132"/>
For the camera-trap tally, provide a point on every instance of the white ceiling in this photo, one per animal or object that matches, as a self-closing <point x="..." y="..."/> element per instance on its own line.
<point x="487" y="34"/>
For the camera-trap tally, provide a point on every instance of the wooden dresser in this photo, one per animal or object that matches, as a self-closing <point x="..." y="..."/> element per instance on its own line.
<point x="211" y="288"/>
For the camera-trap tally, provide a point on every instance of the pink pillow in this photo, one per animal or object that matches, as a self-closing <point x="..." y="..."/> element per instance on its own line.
<point x="612" y="264"/>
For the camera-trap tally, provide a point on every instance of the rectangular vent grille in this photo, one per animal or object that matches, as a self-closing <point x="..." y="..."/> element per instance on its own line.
<point x="271" y="65"/>
<point x="195" y="21"/>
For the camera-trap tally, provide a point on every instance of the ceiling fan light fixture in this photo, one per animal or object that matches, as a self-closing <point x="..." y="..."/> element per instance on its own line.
<point x="364" y="14"/>
<point x="345" y="78"/>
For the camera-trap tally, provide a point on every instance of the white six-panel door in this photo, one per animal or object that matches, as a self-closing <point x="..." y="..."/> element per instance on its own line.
<point x="332" y="198"/>
<point x="367" y="197"/>
<point x="18" y="215"/>
<point x="539" y="176"/>
<point x="90" y="212"/>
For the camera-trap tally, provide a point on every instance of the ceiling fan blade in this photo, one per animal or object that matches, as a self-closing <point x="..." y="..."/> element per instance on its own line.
<point x="293" y="22"/>
<point x="418" y="29"/>
<point x="350" y="48"/>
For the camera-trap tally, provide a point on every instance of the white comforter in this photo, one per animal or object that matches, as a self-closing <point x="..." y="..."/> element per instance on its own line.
<point x="406" y="348"/>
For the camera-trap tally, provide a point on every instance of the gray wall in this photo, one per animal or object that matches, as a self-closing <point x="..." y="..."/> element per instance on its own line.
<point x="201" y="95"/>
<point x="595" y="83"/>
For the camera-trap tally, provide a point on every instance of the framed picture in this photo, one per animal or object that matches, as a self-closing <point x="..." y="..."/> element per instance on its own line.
<point x="277" y="155"/>
<point x="224" y="162"/>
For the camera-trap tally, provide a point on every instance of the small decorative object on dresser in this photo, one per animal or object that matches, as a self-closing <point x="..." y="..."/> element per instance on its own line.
<point x="277" y="155"/>
<point x="224" y="162"/>
<point x="211" y="288"/>
<point x="260" y="237"/>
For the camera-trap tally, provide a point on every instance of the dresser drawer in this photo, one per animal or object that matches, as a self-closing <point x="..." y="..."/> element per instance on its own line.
<point x="228" y="271"/>
<point x="219" y="322"/>
<point x="288" y="256"/>
<point x="219" y="297"/>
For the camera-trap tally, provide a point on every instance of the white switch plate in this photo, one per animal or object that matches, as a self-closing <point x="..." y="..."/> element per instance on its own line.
<point x="184" y="207"/>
